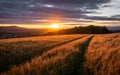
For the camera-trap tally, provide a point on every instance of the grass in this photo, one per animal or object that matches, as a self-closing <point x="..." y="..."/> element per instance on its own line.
<point x="61" y="55"/>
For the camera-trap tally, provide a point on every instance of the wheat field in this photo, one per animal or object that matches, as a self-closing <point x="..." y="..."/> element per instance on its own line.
<point x="79" y="54"/>
<point x="103" y="55"/>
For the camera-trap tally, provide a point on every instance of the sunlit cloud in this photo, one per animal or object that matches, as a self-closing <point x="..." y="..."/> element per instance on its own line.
<point x="48" y="5"/>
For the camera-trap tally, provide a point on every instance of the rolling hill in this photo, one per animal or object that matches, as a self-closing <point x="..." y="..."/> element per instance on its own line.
<point x="17" y="32"/>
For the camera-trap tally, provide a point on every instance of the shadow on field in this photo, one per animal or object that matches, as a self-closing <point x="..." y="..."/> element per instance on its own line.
<point x="75" y="61"/>
<point x="81" y="55"/>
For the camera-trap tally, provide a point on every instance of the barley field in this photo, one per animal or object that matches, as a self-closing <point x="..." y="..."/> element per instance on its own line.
<point x="78" y="54"/>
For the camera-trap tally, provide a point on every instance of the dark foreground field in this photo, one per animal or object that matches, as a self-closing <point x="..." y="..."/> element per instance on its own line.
<point x="61" y="55"/>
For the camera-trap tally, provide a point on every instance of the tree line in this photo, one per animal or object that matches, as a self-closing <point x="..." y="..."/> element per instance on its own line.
<point x="82" y="30"/>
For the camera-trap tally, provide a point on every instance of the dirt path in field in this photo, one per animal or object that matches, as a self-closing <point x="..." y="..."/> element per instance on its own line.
<point x="79" y="58"/>
<point x="63" y="43"/>
<point x="74" y="60"/>
<point x="82" y="58"/>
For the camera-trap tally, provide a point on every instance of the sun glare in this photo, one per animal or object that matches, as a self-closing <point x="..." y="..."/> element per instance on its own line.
<point x="54" y="26"/>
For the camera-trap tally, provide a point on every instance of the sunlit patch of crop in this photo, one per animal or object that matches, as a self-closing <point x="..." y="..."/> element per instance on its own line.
<point x="103" y="55"/>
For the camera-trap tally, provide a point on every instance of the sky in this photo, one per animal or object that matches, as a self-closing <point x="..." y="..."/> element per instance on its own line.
<point x="66" y="13"/>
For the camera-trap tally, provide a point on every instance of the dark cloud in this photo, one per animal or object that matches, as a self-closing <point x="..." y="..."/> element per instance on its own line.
<point x="102" y="18"/>
<point x="116" y="16"/>
<point x="89" y="4"/>
<point x="29" y="11"/>
<point x="107" y="6"/>
<point x="73" y="1"/>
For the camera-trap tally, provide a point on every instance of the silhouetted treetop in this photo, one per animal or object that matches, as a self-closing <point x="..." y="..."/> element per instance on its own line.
<point x="82" y="30"/>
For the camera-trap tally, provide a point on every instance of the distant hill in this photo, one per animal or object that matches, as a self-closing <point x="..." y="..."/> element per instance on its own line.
<point x="82" y="30"/>
<point x="114" y="28"/>
<point x="15" y="32"/>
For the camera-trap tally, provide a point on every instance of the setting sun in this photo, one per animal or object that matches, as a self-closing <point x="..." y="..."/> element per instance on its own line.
<point x="54" y="26"/>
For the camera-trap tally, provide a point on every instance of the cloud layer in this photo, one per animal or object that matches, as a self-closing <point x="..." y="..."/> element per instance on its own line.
<point x="43" y="11"/>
